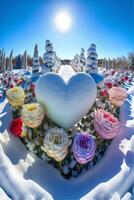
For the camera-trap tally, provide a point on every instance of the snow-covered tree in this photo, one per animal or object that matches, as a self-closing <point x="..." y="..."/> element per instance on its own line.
<point x="105" y="63"/>
<point x="10" y="63"/>
<point x="131" y="60"/>
<point x="24" y="60"/>
<point x="57" y="63"/>
<point x="91" y="60"/>
<point x="36" y="63"/>
<point x="2" y="60"/>
<point x="82" y="59"/>
<point x="19" y="62"/>
<point x="75" y="63"/>
<point x="48" y="58"/>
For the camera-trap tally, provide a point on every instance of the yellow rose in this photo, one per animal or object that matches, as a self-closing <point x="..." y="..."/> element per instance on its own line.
<point x="16" y="96"/>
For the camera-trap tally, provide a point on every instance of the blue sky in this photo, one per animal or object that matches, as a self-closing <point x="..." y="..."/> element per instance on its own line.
<point x="107" y="23"/>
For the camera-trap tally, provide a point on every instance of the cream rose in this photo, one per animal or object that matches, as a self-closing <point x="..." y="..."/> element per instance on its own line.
<point x="56" y="143"/>
<point x="33" y="114"/>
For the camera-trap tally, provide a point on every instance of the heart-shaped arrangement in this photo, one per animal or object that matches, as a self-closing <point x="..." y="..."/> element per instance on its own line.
<point x="66" y="103"/>
<point x="68" y="124"/>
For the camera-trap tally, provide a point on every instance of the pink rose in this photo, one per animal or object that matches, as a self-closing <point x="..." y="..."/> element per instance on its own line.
<point x="105" y="124"/>
<point x="117" y="95"/>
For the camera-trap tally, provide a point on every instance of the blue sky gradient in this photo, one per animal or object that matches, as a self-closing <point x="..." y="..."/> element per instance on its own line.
<point x="108" y="23"/>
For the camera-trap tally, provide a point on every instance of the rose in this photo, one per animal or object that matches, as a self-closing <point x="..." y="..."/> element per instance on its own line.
<point x="122" y="79"/>
<point x="33" y="114"/>
<point x="32" y="86"/>
<point x="16" y="127"/>
<point x="15" y="96"/>
<point x="56" y="143"/>
<point x="117" y="95"/>
<point x="113" y="72"/>
<point x="83" y="147"/>
<point x="103" y="93"/>
<point x="109" y="85"/>
<point x="115" y="84"/>
<point x="105" y="124"/>
<point x="126" y="78"/>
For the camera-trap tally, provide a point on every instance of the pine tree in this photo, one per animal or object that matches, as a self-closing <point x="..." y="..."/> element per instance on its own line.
<point x="36" y="62"/>
<point x="82" y="60"/>
<point x="19" y="62"/>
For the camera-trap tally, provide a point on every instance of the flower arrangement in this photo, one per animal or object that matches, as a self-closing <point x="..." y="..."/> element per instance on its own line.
<point x="9" y="80"/>
<point x="74" y="150"/>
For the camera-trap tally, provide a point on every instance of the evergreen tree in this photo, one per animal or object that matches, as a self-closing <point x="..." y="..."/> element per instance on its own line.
<point x="19" y="62"/>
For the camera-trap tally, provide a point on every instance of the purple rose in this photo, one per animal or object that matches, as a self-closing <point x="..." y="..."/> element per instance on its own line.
<point x="83" y="147"/>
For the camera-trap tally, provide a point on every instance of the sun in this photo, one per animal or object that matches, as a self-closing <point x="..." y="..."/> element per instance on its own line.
<point x="63" y="21"/>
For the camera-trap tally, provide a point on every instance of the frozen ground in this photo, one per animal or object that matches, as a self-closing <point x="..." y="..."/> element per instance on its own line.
<point x="116" y="168"/>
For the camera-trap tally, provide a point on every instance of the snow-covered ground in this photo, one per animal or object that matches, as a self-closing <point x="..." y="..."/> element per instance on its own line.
<point x="116" y="168"/>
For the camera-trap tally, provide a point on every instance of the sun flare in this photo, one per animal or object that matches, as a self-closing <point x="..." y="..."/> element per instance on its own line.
<point x="63" y="21"/>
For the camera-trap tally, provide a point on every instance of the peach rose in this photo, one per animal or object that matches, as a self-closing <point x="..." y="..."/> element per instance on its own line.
<point x="117" y="95"/>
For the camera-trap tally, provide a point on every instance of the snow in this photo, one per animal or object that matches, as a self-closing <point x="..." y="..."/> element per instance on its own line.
<point x="66" y="102"/>
<point x="15" y="185"/>
<point x="115" y="171"/>
<point x="66" y="72"/>
<point x="3" y="195"/>
<point x="120" y="182"/>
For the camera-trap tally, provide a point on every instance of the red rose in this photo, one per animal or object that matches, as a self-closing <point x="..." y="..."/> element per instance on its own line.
<point x="16" y="80"/>
<point x="109" y="85"/>
<point x="9" y="79"/>
<point x="16" y="126"/>
<point x="126" y="78"/>
<point x="11" y="86"/>
<point x="115" y="85"/>
<point x="103" y="93"/>
<point x="32" y="86"/>
<point x="113" y="72"/>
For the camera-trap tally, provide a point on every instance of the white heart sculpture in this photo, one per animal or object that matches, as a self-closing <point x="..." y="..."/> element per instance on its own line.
<point x="66" y="102"/>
